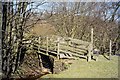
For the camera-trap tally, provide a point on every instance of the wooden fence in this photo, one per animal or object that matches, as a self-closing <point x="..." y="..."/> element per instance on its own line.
<point x="64" y="47"/>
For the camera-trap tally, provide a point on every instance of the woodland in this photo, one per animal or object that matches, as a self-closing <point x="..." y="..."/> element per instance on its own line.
<point x="24" y="21"/>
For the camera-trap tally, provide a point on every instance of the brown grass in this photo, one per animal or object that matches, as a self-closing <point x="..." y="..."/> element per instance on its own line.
<point x="43" y="28"/>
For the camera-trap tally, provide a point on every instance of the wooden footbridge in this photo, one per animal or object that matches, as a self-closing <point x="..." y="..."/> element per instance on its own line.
<point x="64" y="47"/>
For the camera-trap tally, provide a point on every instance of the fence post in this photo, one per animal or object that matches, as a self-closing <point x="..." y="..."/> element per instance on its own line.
<point x="92" y="41"/>
<point x="39" y="56"/>
<point x="110" y="49"/>
<point x="58" y="47"/>
<point x="39" y="43"/>
<point x="90" y="53"/>
<point x="47" y="44"/>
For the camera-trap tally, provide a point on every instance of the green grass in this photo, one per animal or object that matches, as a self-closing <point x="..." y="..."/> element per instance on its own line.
<point x="102" y="68"/>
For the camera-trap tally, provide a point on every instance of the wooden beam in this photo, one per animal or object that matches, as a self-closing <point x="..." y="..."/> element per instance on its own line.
<point x="92" y="41"/>
<point x="58" y="48"/>
<point x="51" y="51"/>
<point x="73" y="54"/>
<point x="89" y="53"/>
<point x="40" y="62"/>
<point x="90" y="49"/>
<point x="39" y="44"/>
<point x="73" y="49"/>
<point x="77" y="41"/>
<point x="47" y="45"/>
<point x="39" y="52"/>
<point x="110" y="47"/>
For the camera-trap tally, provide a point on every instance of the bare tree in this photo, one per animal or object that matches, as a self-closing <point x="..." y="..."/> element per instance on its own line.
<point x="15" y="16"/>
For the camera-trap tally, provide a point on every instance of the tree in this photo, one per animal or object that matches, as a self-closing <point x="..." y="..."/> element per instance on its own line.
<point x="76" y="19"/>
<point x="15" y="15"/>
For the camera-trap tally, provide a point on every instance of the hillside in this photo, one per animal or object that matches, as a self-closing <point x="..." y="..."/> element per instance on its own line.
<point x="95" y="69"/>
<point x="42" y="28"/>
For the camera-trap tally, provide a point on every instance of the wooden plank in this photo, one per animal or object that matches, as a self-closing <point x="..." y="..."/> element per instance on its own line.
<point x="39" y="52"/>
<point x="83" y="47"/>
<point x="39" y="43"/>
<point x="72" y="49"/>
<point x="76" y="46"/>
<point x="50" y="48"/>
<point x="90" y="48"/>
<point x="53" y="52"/>
<point x="74" y="54"/>
<point x="68" y="57"/>
<point x="110" y="51"/>
<point x="40" y="62"/>
<point x="63" y="43"/>
<point x="79" y="53"/>
<point x="80" y="47"/>
<point x="77" y="41"/>
<point x="47" y="45"/>
<point x="58" y="48"/>
<point x="92" y="41"/>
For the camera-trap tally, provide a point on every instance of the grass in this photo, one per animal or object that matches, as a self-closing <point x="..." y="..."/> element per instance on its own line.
<point x="102" y="68"/>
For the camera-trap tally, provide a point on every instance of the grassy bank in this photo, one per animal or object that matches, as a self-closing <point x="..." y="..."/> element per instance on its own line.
<point x="102" y="68"/>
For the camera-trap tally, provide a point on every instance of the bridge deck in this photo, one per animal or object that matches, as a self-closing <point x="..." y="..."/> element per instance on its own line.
<point x="61" y="47"/>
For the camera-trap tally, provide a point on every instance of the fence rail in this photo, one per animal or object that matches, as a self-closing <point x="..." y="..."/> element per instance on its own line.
<point x="63" y="47"/>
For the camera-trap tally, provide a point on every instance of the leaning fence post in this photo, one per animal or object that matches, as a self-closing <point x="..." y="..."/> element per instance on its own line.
<point x="58" y="47"/>
<point x="110" y="49"/>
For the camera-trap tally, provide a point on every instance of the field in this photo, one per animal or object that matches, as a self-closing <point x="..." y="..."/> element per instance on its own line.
<point x="102" y="68"/>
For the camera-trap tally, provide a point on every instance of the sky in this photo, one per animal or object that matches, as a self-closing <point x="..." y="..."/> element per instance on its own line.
<point x="63" y="0"/>
<point x="47" y="6"/>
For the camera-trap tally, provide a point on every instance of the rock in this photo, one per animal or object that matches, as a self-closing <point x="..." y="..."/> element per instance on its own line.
<point x="46" y="71"/>
<point x="68" y="62"/>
